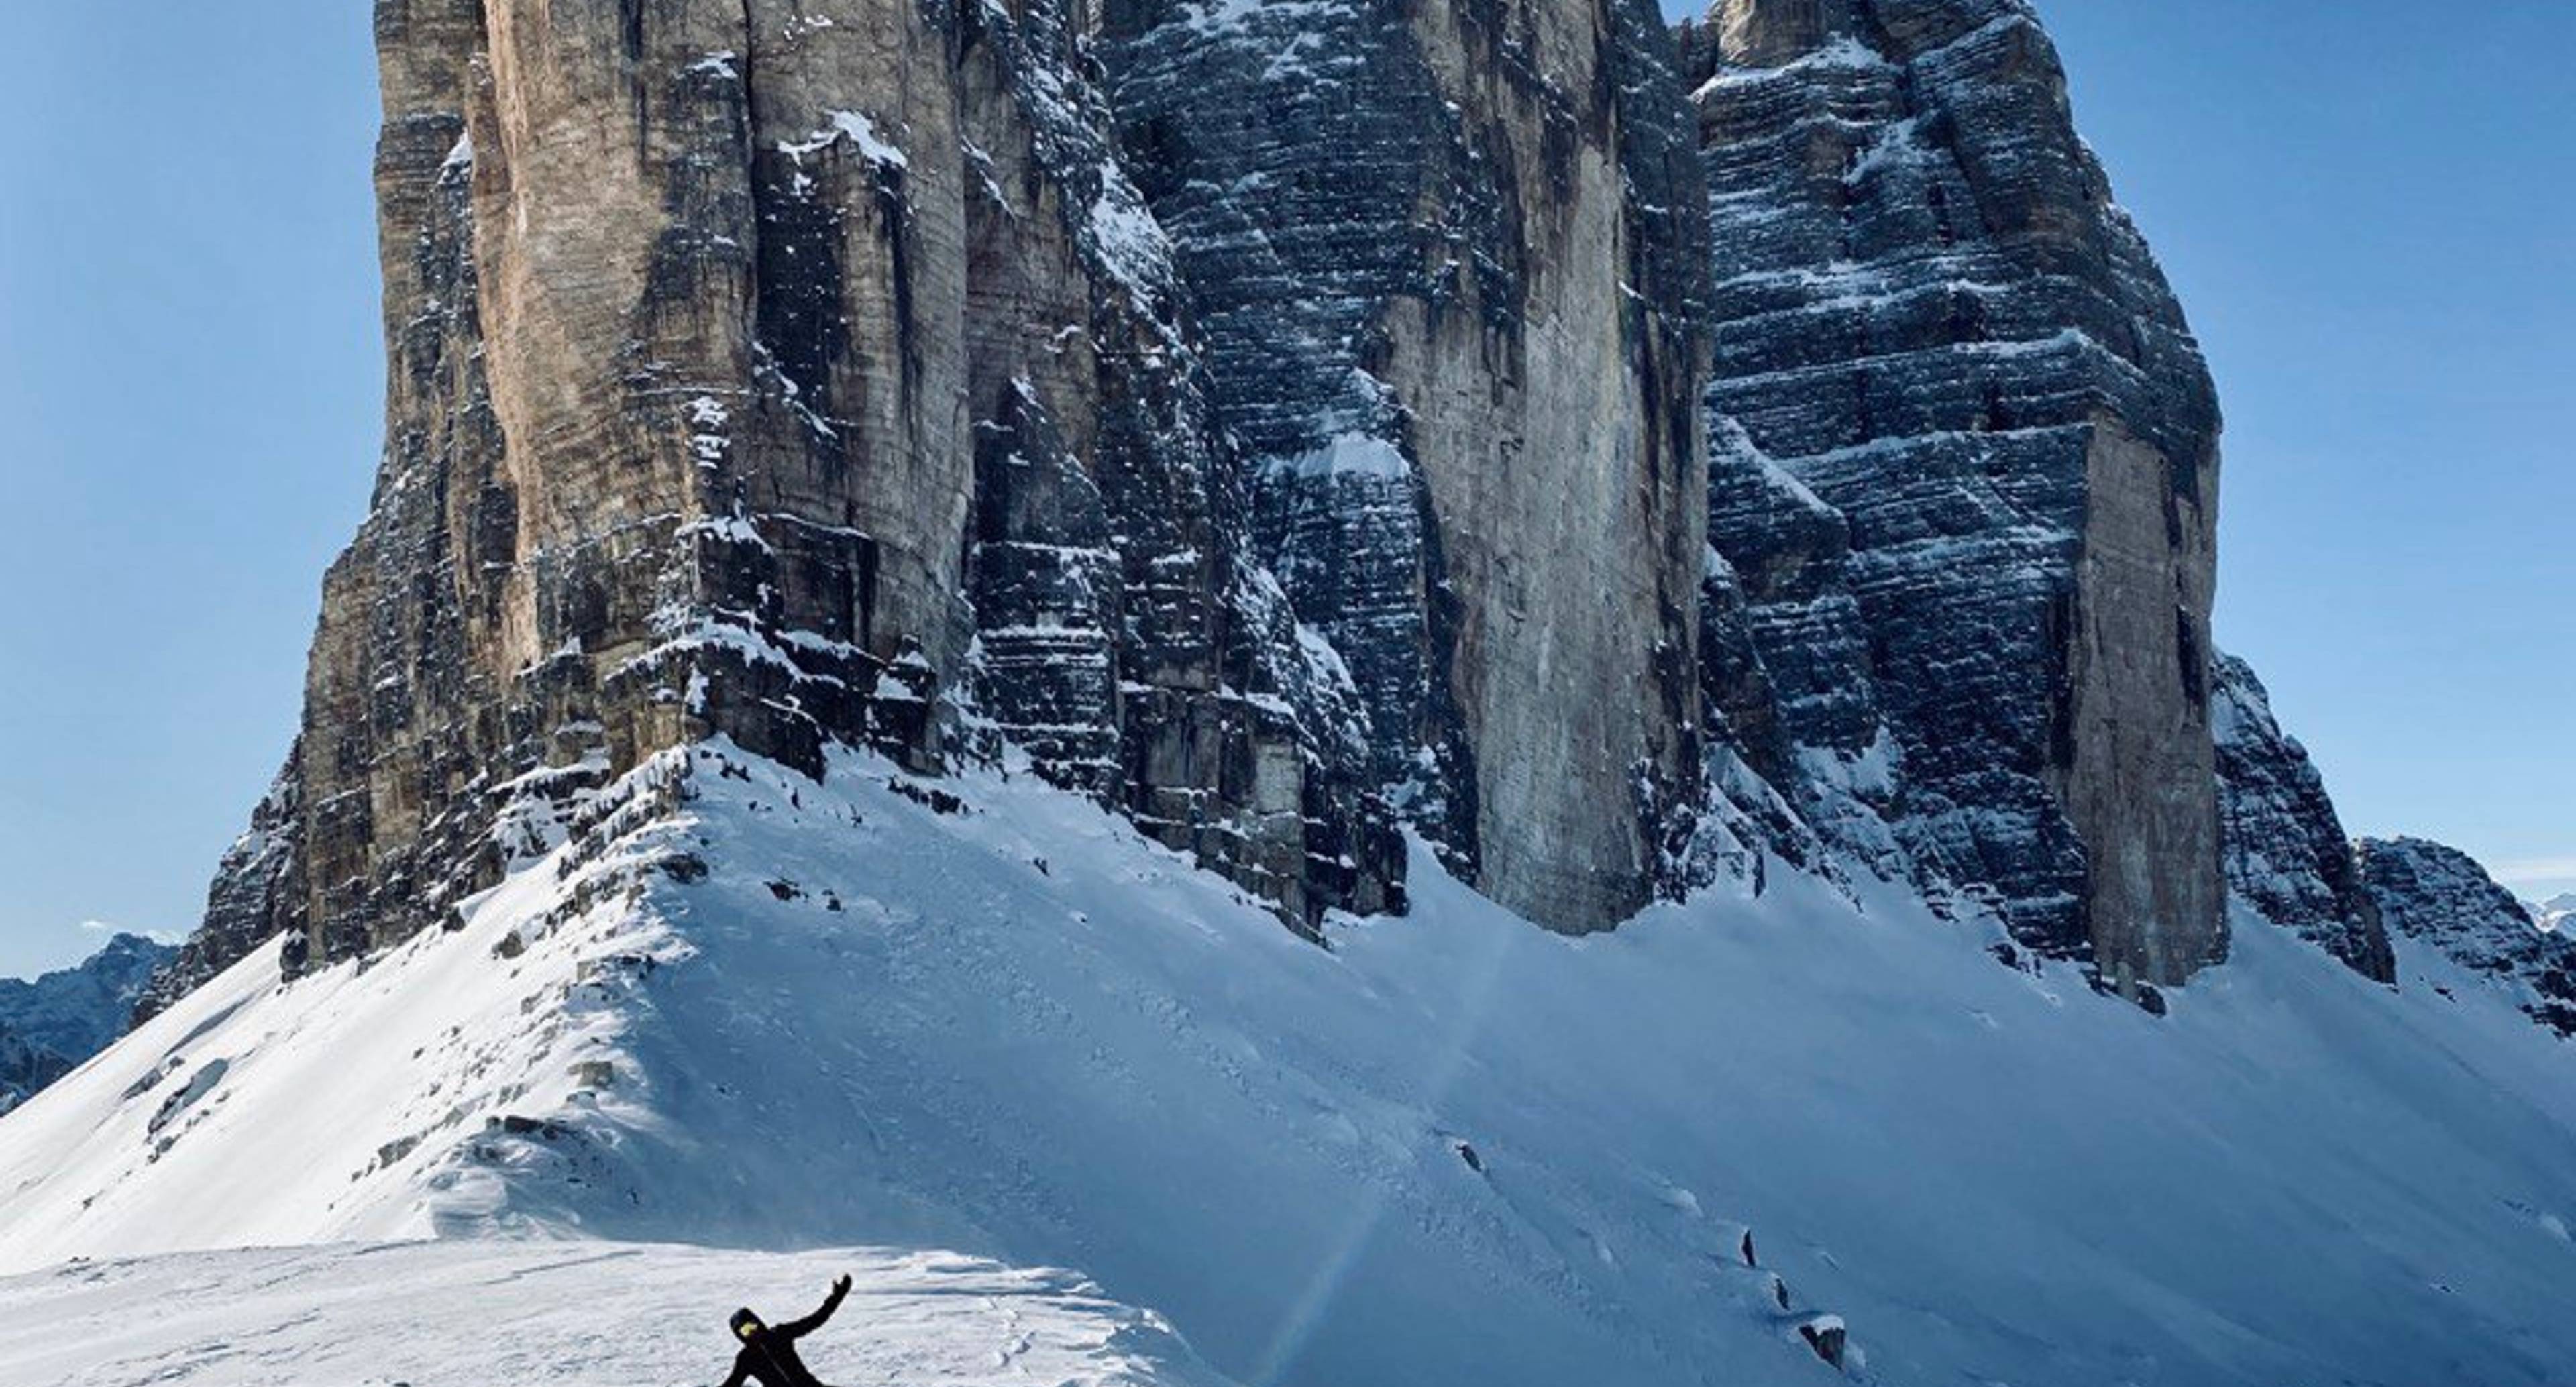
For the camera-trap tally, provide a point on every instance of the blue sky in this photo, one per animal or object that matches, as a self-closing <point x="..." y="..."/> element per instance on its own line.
<point x="2371" y="215"/>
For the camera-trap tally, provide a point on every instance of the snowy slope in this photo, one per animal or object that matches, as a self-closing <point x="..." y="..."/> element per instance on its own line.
<point x="745" y="1010"/>
<point x="375" y="1315"/>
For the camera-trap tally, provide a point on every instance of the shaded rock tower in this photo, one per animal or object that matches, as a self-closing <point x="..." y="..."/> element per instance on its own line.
<point x="1449" y="260"/>
<point x="1617" y="458"/>
<point x="1935" y="324"/>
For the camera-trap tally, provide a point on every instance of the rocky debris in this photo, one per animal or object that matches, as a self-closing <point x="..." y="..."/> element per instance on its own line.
<point x="50" y="1025"/>
<point x="2443" y="898"/>
<point x="1828" y="1336"/>
<point x="1933" y="319"/>
<point x="2288" y="856"/>
<point x="1825" y="1335"/>
<point x="201" y="1081"/>
<point x="1447" y="262"/>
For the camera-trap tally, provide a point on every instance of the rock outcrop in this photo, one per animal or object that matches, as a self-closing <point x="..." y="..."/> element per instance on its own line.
<point x="256" y="894"/>
<point x="2443" y="898"/>
<point x="50" y="1025"/>
<point x="2288" y="856"/>
<point x="1934" y="321"/>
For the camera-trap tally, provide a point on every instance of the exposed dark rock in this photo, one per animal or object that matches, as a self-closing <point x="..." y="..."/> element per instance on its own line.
<point x="256" y="894"/>
<point x="2288" y="856"/>
<point x="202" y="1081"/>
<point x="1446" y="258"/>
<point x="1931" y="315"/>
<point x="1828" y="1336"/>
<point x="2443" y="898"/>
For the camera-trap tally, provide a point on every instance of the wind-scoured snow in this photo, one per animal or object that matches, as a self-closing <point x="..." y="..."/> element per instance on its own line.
<point x="570" y="1315"/>
<point x="741" y="1009"/>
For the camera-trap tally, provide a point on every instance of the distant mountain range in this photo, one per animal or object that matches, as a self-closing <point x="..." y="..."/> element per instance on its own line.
<point x="50" y="1025"/>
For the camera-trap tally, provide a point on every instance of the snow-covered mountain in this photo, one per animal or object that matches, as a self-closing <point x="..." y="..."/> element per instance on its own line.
<point x="50" y="1024"/>
<point x="743" y="1009"/>
<point x="2556" y="915"/>
<point x="1458" y="692"/>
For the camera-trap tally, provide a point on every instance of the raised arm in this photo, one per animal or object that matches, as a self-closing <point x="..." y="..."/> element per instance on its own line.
<point x="796" y="1329"/>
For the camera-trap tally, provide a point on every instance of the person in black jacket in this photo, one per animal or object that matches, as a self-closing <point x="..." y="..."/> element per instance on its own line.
<point x="768" y="1354"/>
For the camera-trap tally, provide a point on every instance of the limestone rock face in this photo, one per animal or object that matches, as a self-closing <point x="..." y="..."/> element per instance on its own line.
<point x="1283" y="422"/>
<point x="788" y="373"/>
<point x="1447" y="260"/>
<point x="1932" y="319"/>
<point x="1785" y="657"/>
<point x="2442" y="897"/>
<point x="2287" y="853"/>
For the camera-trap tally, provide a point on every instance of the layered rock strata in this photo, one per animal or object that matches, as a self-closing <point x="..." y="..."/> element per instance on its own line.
<point x="2288" y="856"/>
<point x="2442" y="897"/>
<point x="1448" y="262"/>
<point x="796" y="373"/>
<point x="1933" y="319"/>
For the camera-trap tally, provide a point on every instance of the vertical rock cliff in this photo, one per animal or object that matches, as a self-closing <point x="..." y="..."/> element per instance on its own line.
<point x="1447" y="258"/>
<point x="2287" y="853"/>
<point x="809" y="372"/>
<point x="1935" y="323"/>
<point x="790" y="373"/>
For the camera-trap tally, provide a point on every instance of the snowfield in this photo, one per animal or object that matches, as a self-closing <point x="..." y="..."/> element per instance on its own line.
<point x="580" y="1315"/>
<point x="741" y="1010"/>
